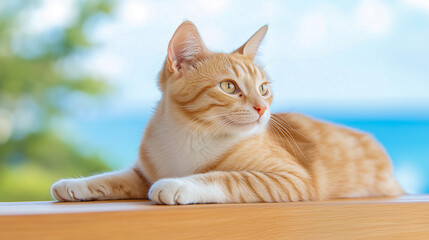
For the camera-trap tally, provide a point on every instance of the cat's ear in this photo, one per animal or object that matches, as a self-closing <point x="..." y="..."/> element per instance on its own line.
<point x="250" y="48"/>
<point x="185" y="47"/>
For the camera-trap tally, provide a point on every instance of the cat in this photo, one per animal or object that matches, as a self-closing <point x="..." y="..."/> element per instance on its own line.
<point x="213" y="139"/>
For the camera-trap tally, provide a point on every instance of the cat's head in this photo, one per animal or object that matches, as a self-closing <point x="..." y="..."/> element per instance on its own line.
<point x="216" y="93"/>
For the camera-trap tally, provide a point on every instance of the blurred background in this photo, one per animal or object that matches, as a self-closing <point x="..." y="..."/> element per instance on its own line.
<point x="78" y="78"/>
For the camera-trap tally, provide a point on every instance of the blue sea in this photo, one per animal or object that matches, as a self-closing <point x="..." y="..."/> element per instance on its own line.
<point x="406" y="140"/>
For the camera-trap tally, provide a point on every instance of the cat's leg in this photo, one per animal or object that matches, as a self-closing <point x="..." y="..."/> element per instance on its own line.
<point x="232" y="187"/>
<point x="125" y="184"/>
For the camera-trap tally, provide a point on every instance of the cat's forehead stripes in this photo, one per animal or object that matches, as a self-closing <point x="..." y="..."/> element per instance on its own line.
<point x="238" y="70"/>
<point x="243" y="67"/>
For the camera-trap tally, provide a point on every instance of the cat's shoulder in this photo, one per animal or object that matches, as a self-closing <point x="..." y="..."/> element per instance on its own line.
<point x="302" y="121"/>
<point x="293" y="118"/>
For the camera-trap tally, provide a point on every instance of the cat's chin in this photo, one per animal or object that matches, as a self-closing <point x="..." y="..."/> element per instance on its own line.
<point x="235" y="124"/>
<point x="246" y="128"/>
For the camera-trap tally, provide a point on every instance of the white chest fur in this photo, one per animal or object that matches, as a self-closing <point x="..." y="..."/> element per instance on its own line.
<point x="177" y="152"/>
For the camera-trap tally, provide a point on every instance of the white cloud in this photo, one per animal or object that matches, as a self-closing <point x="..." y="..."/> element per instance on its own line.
<point x="312" y="30"/>
<point x="133" y="12"/>
<point x="50" y="14"/>
<point x="327" y="27"/>
<point x="213" y="36"/>
<point x="421" y="4"/>
<point x="373" y="16"/>
<point x="212" y="6"/>
<point x="272" y="10"/>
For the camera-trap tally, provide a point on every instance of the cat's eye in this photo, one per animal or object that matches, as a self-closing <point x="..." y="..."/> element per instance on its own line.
<point x="263" y="89"/>
<point x="228" y="87"/>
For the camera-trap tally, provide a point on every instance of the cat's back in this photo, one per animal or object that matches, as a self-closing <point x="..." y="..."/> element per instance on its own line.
<point x="313" y="139"/>
<point x="350" y="161"/>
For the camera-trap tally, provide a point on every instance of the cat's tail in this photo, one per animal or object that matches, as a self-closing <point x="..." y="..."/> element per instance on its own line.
<point x="392" y="188"/>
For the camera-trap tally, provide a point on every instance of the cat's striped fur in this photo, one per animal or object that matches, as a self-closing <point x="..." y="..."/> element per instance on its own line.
<point x="204" y="145"/>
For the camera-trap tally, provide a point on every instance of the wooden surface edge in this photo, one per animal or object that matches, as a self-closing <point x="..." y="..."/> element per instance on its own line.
<point x="51" y="207"/>
<point x="373" y="218"/>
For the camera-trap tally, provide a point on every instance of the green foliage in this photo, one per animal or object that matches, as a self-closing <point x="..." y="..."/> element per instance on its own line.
<point x="32" y="160"/>
<point x="30" y="165"/>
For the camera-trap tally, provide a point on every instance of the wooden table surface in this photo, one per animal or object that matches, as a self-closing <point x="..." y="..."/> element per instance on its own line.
<point x="406" y="217"/>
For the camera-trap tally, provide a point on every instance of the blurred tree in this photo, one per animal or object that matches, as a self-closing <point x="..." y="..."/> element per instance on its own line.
<point x="34" y="86"/>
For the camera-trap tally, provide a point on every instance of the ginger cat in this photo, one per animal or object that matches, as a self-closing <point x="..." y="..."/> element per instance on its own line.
<point x="212" y="139"/>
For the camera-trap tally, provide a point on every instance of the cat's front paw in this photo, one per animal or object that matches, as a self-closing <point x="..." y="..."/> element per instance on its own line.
<point x="173" y="191"/>
<point x="72" y="190"/>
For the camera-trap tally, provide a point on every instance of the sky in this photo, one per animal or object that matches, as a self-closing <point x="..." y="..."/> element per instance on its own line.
<point x="347" y="55"/>
<point x="354" y="59"/>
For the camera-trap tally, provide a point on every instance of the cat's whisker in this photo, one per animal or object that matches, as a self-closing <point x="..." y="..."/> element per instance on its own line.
<point x="209" y="130"/>
<point x="291" y="136"/>
<point x="194" y="131"/>
<point x="187" y="125"/>
<point x="296" y="144"/>
<point x="180" y="132"/>
<point x="220" y="127"/>
<point x="198" y="116"/>
<point x="222" y="123"/>
<point x="205" y="119"/>
<point x="270" y="128"/>
<point x="280" y="132"/>
<point x="290" y="126"/>
<point x="280" y="128"/>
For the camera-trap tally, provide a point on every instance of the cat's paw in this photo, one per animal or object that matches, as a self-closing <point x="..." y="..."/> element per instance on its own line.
<point x="72" y="190"/>
<point x="186" y="190"/>
<point x="173" y="191"/>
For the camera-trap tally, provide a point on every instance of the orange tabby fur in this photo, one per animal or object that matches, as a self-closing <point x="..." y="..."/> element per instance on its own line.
<point x="204" y="145"/>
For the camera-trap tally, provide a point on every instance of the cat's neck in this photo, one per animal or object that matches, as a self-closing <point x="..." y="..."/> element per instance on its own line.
<point x="179" y="150"/>
<point x="198" y="138"/>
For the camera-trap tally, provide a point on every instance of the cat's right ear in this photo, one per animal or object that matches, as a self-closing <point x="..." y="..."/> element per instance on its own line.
<point x="185" y="47"/>
<point x="250" y="48"/>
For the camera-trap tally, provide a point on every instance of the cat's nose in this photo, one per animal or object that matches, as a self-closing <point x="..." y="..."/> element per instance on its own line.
<point x="260" y="109"/>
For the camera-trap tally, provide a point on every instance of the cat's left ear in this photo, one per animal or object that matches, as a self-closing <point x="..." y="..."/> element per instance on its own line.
<point x="185" y="47"/>
<point x="250" y="48"/>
